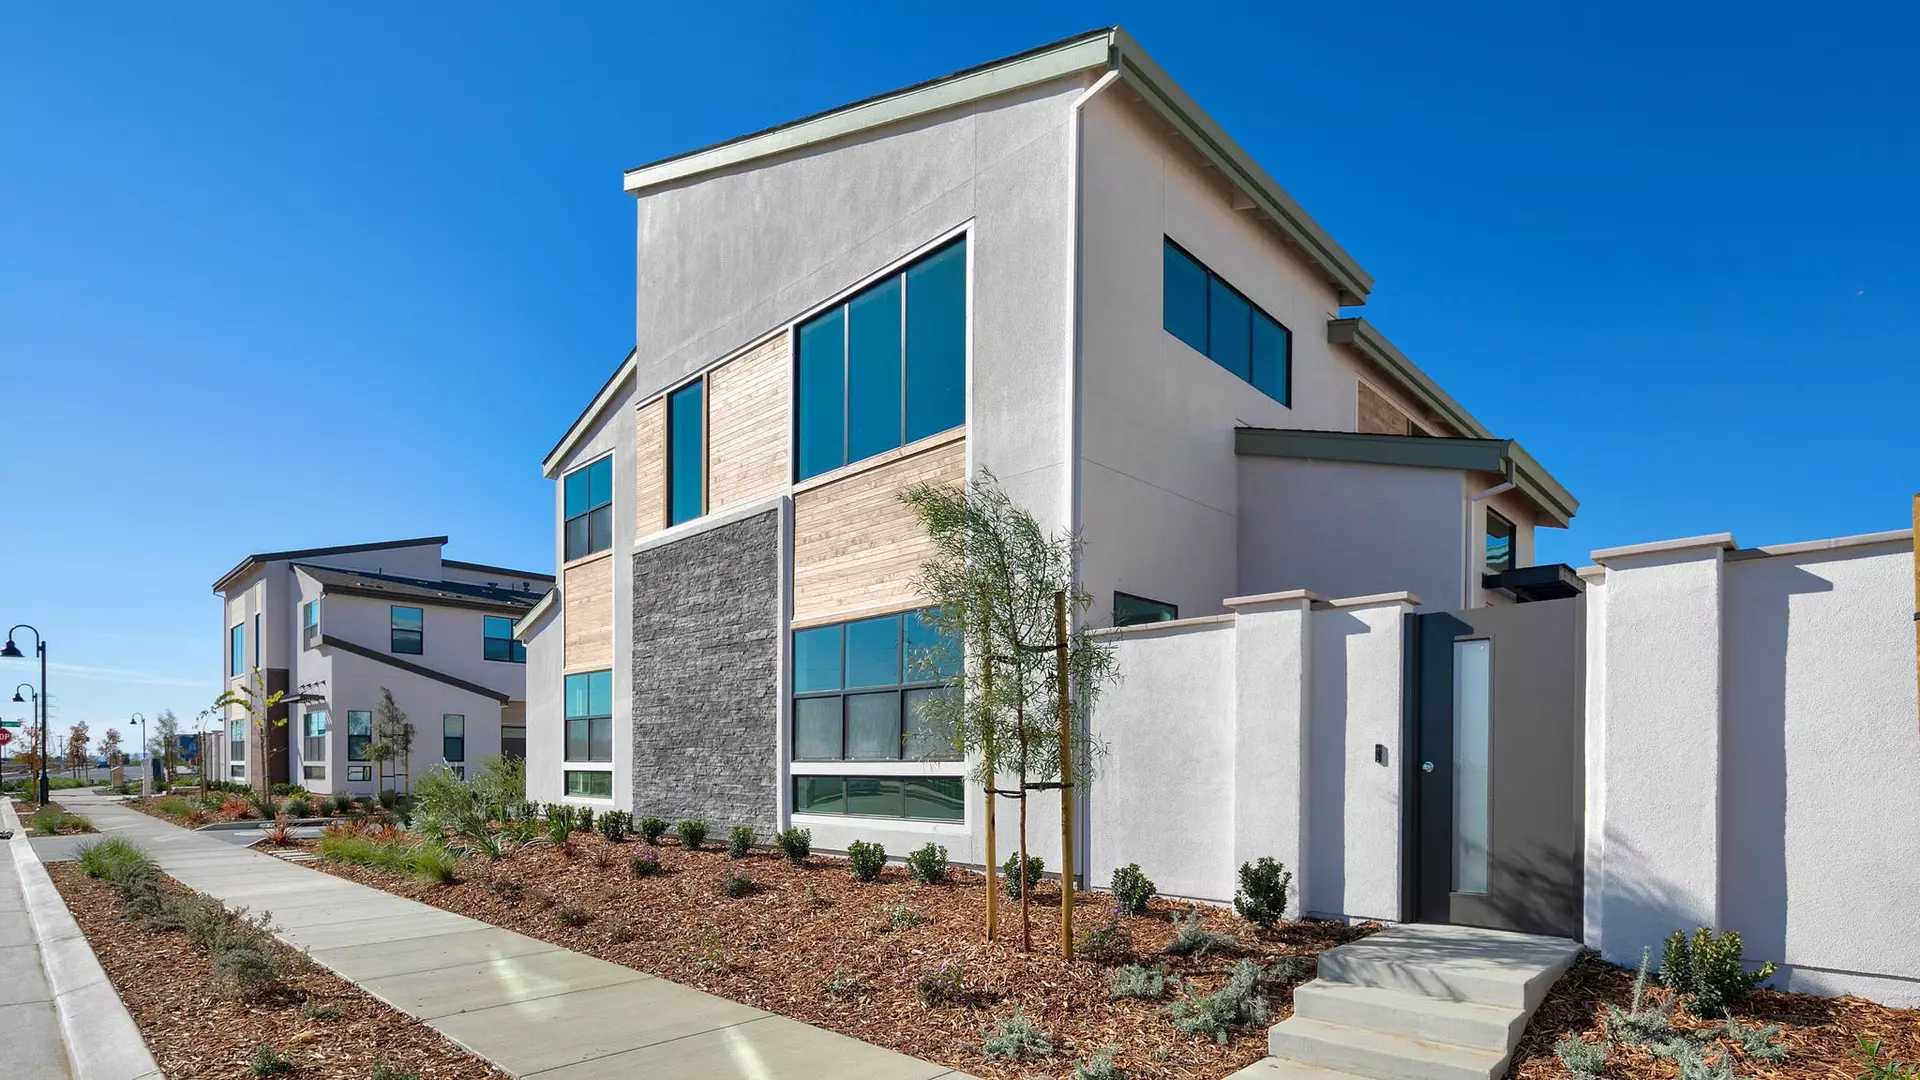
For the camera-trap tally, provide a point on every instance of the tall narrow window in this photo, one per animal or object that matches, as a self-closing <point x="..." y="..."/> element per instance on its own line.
<point x="498" y="642"/>
<point x="884" y="367"/>
<point x="588" y="495"/>
<point x="408" y="630"/>
<point x="1499" y="542"/>
<point x="237" y="649"/>
<point x="1472" y="727"/>
<point x="453" y="737"/>
<point x="686" y="453"/>
<point x="359" y="735"/>
<point x="1200" y="308"/>
<point x="589" y="701"/>
<point x="310" y="624"/>
<point x="313" y="744"/>
<point x="256" y="641"/>
<point x="237" y="748"/>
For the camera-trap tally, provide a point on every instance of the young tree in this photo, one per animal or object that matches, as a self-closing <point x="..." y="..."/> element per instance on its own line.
<point x="110" y="747"/>
<point x="29" y="756"/>
<point x="392" y="742"/>
<point x="252" y="699"/>
<point x="77" y="740"/>
<point x="166" y="742"/>
<point x="1002" y="587"/>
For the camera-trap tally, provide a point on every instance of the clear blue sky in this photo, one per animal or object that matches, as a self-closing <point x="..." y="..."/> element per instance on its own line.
<point x="275" y="275"/>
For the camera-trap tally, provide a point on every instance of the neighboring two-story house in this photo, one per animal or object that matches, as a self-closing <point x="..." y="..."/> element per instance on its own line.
<point x="1054" y="266"/>
<point x="330" y="628"/>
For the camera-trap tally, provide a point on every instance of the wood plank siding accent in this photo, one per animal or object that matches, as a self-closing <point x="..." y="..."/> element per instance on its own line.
<point x="587" y="593"/>
<point x="1378" y="416"/>
<point x="650" y="467"/>
<point x="855" y="544"/>
<point x="747" y="425"/>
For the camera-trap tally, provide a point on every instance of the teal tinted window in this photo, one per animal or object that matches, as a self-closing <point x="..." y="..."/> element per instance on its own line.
<point x="816" y="659"/>
<point x="1183" y="309"/>
<point x="930" y="655"/>
<point x="1200" y="308"/>
<point x="937" y="343"/>
<point x="1499" y="542"/>
<point x="821" y="402"/>
<point x="407" y="630"/>
<point x="590" y="785"/>
<point x="876" y="796"/>
<point x="1130" y="610"/>
<point x="589" y="720"/>
<point x="873" y="371"/>
<point x="934" y="798"/>
<point x="686" y="453"/>
<point x="453" y="737"/>
<point x="885" y="367"/>
<point x="588" y="500"/>
<point x="498" y="642"/>
<point x="873" y="652"/>
<point x="237" y="649"/>
<point x="359" y="733"/>
<point x="819" y="795"/>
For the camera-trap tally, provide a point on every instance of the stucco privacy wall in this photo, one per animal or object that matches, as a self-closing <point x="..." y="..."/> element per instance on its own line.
<point x="1755" y="718"/>
<point x="1263" y="722"/>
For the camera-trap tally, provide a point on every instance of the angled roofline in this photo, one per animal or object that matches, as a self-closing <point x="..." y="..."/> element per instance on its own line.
<point x="472" y="603"/>
<point x="600" y="399"/>
<point x="1109" y="48"/>
<point x="418" y="669"/>
<point x="311" y="553"/>
<point x="509" y="571"/>
<point x="1364" y="338"/>
<point x="1504" y="457"/>
<point x="534" y="614"/>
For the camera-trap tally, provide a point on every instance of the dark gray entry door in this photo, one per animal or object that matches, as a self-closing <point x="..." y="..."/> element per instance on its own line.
<point x="1499" y="772"/>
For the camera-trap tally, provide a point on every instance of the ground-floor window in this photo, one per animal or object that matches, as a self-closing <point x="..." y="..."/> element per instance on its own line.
<point x="921" y="798"/>
<point x="359" y="772"/>
<point x="453" y="738"/>
<point x="859" y="689"/>
<point x="313" y="772"/>
<point x="236" y="746"/>
<point x="237" y="772"/>
<point x="589" y="734"/>
<point x="313" y="737"/>
<point x="359" y="735"/>
<point x="590" y="783"/>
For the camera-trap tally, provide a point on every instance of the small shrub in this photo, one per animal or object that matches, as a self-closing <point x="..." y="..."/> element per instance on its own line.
<point x="692" y="834"/>
<point x="928" y="865"/>
<point x="794" y="845"/>
<point x="1099" y="1066"/>
<point x="615" y="824"/>
<point x="944" y="984"/>
<point x="1585" y="1060"/>
<point x="299" y="807"/>
<point x="114" y="860"/>
<point x="262" y="806"/>
<point x="652" y="829"/>
<point x="583" y="821"/>
<point x="1240" y="1003"/>
<point x="389" y="798"/>
<point x="619" y="933"/>
<point x="571" y="916"/>
<point x="1132" y="889"/>
<point x="902" y="917"/>
<point x="247" y="970"/>
<point x="1262" y="899"/>
<point x="1017" y="1038"/>
<point x="1103" y="942"/>
<point x="1192" y="939"/>
<point x="1134" y="981"/>
<point x="1867" y="1053"/>
<point x="737" y="884"/>
<point x="842" y="983"/>
<point x="739" y="841"/>
<point x="339" y="802"/>
<point x="433" y="863"/>
<point x="867" y="860"/>
<point x="1010" y="873"/>
<point x="1710" y="969"/>
<point x="318" y="1010"/>
<point x="384" y="1071"/>
<point x="1756" y="1043"/>
<point x="266" y="1061"/>
<point x="647" y="863"/>
<point x="559" y="829"/>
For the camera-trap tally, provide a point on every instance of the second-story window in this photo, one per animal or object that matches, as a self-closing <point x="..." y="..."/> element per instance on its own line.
<point x="408" y="627"/>
<point x="256" y="641"/>
<point x="1499" y="543"/>
<point x="310" y="624"/>
<point x="237" y="649"/>
<point x="1131" y="610"/>
<point x="686" y="453"/>
<point x="1201" y="309"/>
<point x="500" y="643"/>
<point x="589" y="508"/>
<point x="885" y="367"/>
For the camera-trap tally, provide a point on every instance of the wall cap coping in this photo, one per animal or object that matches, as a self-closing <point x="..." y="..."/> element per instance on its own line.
<point x="1376" y="600"/>
<point x="1837" y="543"/>
<point x="1720" y="541"/>
<point x="1592" y="573"/>
<point x="1260" y="599"/>
<point x="1171" y="624"/>
<point x="708" y="522"/>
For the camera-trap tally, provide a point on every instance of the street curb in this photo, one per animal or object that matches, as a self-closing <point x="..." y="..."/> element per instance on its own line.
<point x="103" y="1042"/>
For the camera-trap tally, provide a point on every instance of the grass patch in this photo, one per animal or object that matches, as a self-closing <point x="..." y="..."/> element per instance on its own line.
<point x="431" y="862"/>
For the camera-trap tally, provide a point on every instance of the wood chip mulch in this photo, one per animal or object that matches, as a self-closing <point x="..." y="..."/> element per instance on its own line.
<point x="26" y="809"/>
<point x="1819" y="1033"/>
<point x="195" y="1034"/>
<point x="774" y="949"/>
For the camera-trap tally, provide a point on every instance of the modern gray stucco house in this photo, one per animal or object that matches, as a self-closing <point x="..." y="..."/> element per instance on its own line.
<point x="331" y="627"/>
<point x="1054" y="266"/>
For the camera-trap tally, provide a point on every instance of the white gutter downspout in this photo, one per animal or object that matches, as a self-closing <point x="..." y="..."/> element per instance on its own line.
<point x="1466" y="539"/>
<point x="1080" y="843"/>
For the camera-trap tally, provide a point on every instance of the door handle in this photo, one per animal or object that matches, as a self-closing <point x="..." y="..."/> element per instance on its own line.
<point x="1426" y="766"/>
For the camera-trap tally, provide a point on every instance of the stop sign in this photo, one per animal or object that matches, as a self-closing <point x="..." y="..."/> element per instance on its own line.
<point x="5" y="736"/>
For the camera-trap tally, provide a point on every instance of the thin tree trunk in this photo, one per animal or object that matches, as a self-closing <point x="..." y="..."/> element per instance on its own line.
<point x="1026" y="889"/>
<point x="992" y="848"/>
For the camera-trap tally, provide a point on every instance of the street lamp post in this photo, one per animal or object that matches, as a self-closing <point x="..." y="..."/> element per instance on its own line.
<point x="146" y="767"/>
<point x="33" y="714"/>
<point x="12" y="652"/>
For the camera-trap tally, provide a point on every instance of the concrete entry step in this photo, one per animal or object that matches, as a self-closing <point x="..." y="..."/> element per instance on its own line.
<point x="1277" y="1069"/>
<point x="1418" y="1002"/>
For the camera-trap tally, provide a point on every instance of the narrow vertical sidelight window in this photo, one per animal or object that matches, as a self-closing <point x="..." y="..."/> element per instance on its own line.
<point x="1472" y="736"/>
<point x="686" y="453"/>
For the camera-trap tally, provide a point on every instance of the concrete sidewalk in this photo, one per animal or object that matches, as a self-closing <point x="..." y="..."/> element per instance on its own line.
<point x="530" y="1007"/>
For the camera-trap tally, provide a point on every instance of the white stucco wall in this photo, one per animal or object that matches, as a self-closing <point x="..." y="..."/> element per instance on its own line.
<point x="451" y="641"/>
<point x="1353" y="867"/>
<point x="1347" y="529"/>
<point x="356" y="684"/>
<point x="545" y="709"/>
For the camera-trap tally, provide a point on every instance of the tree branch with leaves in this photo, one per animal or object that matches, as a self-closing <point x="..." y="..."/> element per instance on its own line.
<point x="257" y="704"/>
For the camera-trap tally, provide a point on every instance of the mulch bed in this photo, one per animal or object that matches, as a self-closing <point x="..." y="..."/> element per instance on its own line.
<point x="195" y="1034"/>
<point x="1819" y="1033"/>
<point x="775" y="948"/>
<point x="25" y="809"/>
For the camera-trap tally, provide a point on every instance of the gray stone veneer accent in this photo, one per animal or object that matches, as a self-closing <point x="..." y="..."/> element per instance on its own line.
<point x="705" y="679"/>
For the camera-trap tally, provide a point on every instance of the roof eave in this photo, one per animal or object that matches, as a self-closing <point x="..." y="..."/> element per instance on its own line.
<point x="550" y="466"/>
<point x="546" y="604"/>
<point x="1363" y="337"/>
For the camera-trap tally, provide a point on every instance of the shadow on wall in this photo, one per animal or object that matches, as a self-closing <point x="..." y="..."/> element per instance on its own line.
<point x="1635" y="912"/>
<point x="1327" y="752"/>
